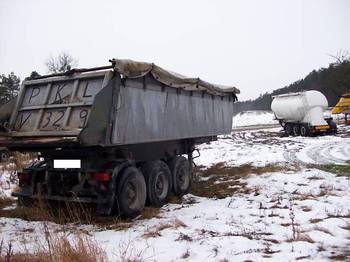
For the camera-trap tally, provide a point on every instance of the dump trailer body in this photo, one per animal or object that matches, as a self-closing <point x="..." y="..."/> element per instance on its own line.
<point x="104" y="109"/>
<point x="129" y="125"/>
<point x="302" y="113"/>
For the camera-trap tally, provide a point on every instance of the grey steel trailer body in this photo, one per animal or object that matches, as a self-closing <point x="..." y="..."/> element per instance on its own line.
<point x="129" y="127"/>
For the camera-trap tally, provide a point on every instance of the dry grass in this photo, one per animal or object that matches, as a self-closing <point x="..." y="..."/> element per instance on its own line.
<point x="322" y="229"/>
<point x="155" y="231"/>
<point x="150" y="212"/>
<point x="80" y="248"/>
<point x="338" y="214"/>
<point x="185" y="254"/>
<point x="302" y="237"/>
<point x="67" y="213"/>
<point x="306" y="209"/>
<point x="315" y="220"/>
<point x="346" y="227"/>
<point x="184" y="237"/>
<point x="5" y="202"/>
<point x="221" y="181"/>
<point x="18" y="161"/>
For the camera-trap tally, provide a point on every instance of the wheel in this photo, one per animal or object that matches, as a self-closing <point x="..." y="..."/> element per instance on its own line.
<point x="288" y="129"/>
<point x="131" y="192"/>
<point x="158" y="182"/>
<point x="4" y="156"/>
<point x="304" y="130"/>
<point x="333" y="126"/>
<point x="296" y="130"/>
<point x="181" y="175"/>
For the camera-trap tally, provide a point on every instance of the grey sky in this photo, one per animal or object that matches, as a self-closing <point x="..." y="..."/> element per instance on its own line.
<point x="257" y="45"/>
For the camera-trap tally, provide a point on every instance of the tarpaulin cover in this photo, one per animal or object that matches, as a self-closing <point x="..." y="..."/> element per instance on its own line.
<point x="343" y="105"/>
<point x="132" y="69"/>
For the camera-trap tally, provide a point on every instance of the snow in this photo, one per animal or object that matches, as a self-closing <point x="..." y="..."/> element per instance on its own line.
<point x="253" y="118"/>
<point x="301" y="213"/>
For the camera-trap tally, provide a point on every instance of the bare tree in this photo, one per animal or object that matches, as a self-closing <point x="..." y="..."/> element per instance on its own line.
<point x="341" y="56"/>
<point x="62" y="63"/>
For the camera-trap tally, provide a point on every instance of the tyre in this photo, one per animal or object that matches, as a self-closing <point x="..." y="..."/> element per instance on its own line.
<point x="158" y="182"/>
<point x="4" y="156"/>
<point x="333" y="126"/>
<point x="131" y="192"/>
<point x="288" y="129"/>
<point x="181" y="175"/>
<point x="304" y="130"/>
<point x="296" y="130"/>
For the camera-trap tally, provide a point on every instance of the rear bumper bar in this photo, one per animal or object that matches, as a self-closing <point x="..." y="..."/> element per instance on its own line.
<point x="57" y="198"/>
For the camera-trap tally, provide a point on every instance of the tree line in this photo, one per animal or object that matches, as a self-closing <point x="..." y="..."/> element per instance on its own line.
<point x="10" y="83"/>
<point x="333" y="82"/>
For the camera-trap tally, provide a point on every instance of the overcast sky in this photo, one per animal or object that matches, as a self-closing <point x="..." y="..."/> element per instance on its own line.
<point x="257" y="46"/>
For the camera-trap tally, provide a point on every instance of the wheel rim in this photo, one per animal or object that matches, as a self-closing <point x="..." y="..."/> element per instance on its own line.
<point x="161" y="185"/>
<point x="295" y="130"/>
<point x="131" y="193"/>
<point x="303" y="131"/>
<point x="182" y="178"/>
<point x="4" y="156"/>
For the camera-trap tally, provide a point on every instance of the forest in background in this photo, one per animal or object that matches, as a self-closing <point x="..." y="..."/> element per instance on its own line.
<point x="333" y="82"/>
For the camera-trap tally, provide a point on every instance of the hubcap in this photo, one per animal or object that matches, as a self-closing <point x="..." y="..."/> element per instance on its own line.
<point x="160" y="184"/>
<point x="131" y="193"/>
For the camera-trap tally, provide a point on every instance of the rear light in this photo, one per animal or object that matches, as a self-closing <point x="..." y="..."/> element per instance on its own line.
<point x="102" y="177"/>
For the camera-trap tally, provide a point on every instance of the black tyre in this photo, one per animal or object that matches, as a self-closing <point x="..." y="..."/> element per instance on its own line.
<point x="181" y="175"/>
<point x="333" y="126"/>
<point x="288" y="129"/>
<point x="131" y="193"/>
<point x="304" y="130"/>
<point x="158" y="182"/>
<point x="4" y="156"/>
<point x="296" y="130"/>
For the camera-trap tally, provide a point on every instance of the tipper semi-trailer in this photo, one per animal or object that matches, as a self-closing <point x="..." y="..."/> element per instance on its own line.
<point x="303" y="113"/>
<point x="128" y="126"/>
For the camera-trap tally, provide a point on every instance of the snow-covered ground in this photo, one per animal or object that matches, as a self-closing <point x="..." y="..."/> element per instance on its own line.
<point x="254" y="118"/>
<point x="297" y="213"/>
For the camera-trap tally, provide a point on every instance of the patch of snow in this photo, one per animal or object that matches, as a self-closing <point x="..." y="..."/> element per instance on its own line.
<point x="253" y="118"/>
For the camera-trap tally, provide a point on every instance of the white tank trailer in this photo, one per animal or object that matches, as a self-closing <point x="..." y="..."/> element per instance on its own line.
<point x="302" y="113"/>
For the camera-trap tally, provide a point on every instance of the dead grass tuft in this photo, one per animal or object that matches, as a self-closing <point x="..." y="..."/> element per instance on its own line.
<point x="322" y="229"/>
<point x="315" y="220"/>
<point x="221" y="181"/>
<point x="346" y="227"/>
<point x="151" y="234"/>
<point x="184" y="237"/>
<point x="302" y="237"/>
<point x="57" y="248"/>
<point x="150" y="212"/>
<point x="306" y="209"/>
<point x="5" y="202"/>
<point x="186" y="254"/>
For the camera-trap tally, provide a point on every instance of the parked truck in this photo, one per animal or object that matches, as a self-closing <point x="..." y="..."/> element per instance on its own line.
<point x="129" y="126"/>
<point x="303" y="113"/>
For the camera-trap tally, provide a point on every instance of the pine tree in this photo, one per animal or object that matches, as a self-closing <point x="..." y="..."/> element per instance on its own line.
<point x="9" y="87"/>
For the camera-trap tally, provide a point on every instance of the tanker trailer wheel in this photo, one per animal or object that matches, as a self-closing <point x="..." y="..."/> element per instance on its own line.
<point x="181" y="173"/>
<point x="296" y="130"/>
<point x="4" y="156"/>
<point x="304" y="130"/>
<point x="131" y="192"/>
<point x="288" y="129"/>
<point x="158" y="182"/>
